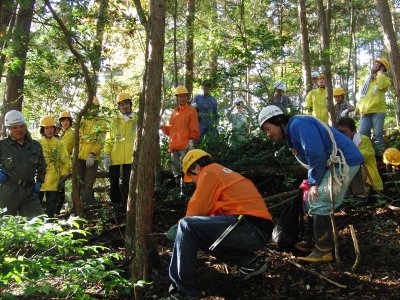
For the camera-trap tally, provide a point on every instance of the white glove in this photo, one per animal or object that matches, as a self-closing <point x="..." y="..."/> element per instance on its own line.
<point x="190" y="145"/>
<point x="107" y="161"/>
<point x="343" y="114"/>
<point x="90" y="160"/>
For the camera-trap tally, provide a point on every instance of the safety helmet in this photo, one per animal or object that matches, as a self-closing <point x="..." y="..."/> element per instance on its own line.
<point x="267" y="113"/>
<point x="191" y="157"/>
<point x="280" y="86"/>
<point x="391" y="156"/>
<point x="64" y="114"/>
<point x="384" y="62"/>
<point x="47" y="121"/>
<point x="14" y="117"/>
<point x="122" y="96"/>
<point x="338" y="91"/>
<point x="314" y="74"/>
<point x="181" y="90"/>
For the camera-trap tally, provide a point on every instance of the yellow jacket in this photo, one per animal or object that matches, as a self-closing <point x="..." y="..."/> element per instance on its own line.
<point x="368" y="152"/>
<point x="316" y="104"/>
<point x="120" y="139"/>
<point x="374" y="100"/>
<point x="57" y="162"/>
<point x="91" y="137"/>
<point x="67" y="137"/>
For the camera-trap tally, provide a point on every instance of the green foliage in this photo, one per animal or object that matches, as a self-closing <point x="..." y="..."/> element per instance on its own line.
<point x="53" y="259"/>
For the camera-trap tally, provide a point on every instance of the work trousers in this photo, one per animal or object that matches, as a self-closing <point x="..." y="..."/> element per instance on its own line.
<point x="86" y="179"/>
<point x="200" y="232"/>
<point x="119" y="193"/>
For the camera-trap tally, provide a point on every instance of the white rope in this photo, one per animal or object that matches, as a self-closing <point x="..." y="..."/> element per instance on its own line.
<point x="341" y="175"/>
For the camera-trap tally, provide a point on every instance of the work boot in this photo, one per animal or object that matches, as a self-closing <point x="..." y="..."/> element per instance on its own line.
<point x="322" y="251"/>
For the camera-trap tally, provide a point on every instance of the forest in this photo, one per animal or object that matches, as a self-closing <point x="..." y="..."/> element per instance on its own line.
<point x="66" y="56"/>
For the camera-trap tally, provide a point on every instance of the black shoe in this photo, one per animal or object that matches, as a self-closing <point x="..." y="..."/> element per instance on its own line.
<point x="256" y="267"/>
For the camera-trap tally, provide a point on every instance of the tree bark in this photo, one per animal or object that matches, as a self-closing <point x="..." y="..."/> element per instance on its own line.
<point x="144" y="188"/>
<point x="324" y="36"/>
<point x="189" y="61"/>
<point x="19" y="49"/>
<point x="390" y="41"/>
<point x="8" y="11"/>
<point x="306" y="62"/>
<point x="175" y="40"/>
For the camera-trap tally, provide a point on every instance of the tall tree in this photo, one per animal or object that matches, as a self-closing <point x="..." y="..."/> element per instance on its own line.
<point x="190" y="45"/>
<point x="7" y="21"/>
<point x="390" y="40"/>
<point x="324" y="36"/>
<point x="306" y="62"/>
<point x="19" y="49"/>
<point x="144" y="188"/>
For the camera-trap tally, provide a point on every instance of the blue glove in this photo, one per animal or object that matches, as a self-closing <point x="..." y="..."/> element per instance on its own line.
<point x="61" y="184"/>
<point x="3" y="176"/>
<point x="36" y="187"/>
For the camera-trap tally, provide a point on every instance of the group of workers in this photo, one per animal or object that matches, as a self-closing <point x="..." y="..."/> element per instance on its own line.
<point x="226" y="215"/>
<point x="33" y="173"/>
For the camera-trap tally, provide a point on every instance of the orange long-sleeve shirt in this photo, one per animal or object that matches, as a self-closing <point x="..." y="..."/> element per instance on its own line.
<point x="183" y="126"/>
<point x="221" y="191"/>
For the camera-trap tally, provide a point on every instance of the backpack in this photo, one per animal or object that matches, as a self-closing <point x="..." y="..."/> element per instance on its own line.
<point x="289" y="228"/>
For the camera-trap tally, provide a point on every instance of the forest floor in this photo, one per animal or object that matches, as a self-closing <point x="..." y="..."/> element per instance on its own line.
<point x="376" y="276"/>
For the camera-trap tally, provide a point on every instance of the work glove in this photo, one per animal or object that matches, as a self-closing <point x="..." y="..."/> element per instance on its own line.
<point x="190" y="145"/>
<point x="3" y="176"/>
<point x="107" y="161"/>
<point x="36" y="187"/>
<point x="61" y="184"/>
<point x="343" y="114"/>
<point x="171" y="233"/>
<point x="90" y="160"/>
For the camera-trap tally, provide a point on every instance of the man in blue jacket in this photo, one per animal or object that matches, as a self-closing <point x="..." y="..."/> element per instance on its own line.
<point x="207" y="110"/>
<point x="316" y="146"/>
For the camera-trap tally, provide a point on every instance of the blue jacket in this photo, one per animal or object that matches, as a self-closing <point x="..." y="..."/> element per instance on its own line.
<point x="207" y="110"/>
<point x="311" y="143"/>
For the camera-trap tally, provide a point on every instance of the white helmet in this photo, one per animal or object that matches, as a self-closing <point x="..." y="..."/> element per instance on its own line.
<point x="280" y="86"/>
<point x="14" y="117"/>
<point x="267" y="113"/>
<point x="314" y="74"/>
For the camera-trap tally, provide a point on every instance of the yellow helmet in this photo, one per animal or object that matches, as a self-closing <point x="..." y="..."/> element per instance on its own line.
<point x="190" y="158"/>
<point x="47" y="121"/>
<point x="181" y="90"/>
<point x="384" y="62"/>
<point x="339" y="91"/>
<point x="391" y="156"/>
<point x="122" y="96"/>
<point x="64" y="114"/>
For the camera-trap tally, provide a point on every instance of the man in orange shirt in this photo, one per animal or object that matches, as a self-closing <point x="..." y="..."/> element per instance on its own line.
<point x="222" y="198"/>
<point x="182" y="129"/>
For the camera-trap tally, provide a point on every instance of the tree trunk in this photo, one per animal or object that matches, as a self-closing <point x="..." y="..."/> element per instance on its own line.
<point x="390" y="41"/>
<point x="349" y="59"/>
<point x="306" y="62"/>
<point x="176" y="82"/>
<point x="324" y="35"/>
<point x="19" y="49"/>
<point x="145" y="180"/>
<point x="189" y="46"/>
<point x="8" y="14"/>
<point x="90" y="81"/>
<point x="131" y="209"/>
